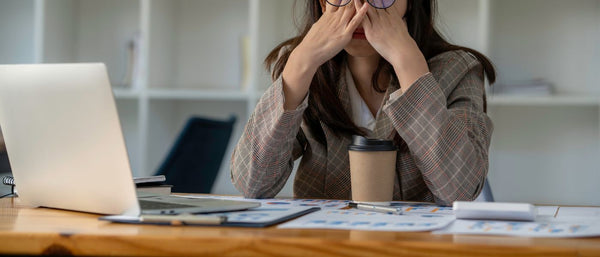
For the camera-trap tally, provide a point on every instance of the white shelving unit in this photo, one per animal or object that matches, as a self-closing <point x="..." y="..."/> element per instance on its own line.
<point x="191" y="59"/>
<point x="544" y="148"/>
<point x="188" y="55"/>
<point x="556" y="100"/>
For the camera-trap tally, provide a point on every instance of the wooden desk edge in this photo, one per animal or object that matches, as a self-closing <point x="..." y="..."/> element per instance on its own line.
<point x="82" y="234"/>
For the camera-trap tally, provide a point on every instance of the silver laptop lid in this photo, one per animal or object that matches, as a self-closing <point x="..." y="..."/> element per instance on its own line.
<point x="64" y="139"/>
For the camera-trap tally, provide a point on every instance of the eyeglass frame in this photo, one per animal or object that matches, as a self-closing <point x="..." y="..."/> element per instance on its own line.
<point x="394" y="1"/>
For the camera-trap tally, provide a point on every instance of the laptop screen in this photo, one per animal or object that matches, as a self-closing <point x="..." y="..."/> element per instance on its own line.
<point x="64" y="139"/>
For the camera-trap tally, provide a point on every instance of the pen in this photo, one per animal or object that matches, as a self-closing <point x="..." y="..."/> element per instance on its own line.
<point x="376" y="208"/>
<point x="184" y="219"/>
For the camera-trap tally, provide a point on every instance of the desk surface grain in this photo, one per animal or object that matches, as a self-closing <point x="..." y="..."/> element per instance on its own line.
<point x="33" y="231"/>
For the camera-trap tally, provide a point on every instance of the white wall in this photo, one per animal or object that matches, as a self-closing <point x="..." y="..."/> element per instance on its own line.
<point x="60" y="25"/>
<point x="275" y="30"/>
<point x="459" y="21"/>
<point x="162" y="37"/>
<point x="188" y="35"/>
<point x="16" y="27"/>
<point x="112" y="23"/>
<point x="553" y="39"/>
<point x="546" y="155"/>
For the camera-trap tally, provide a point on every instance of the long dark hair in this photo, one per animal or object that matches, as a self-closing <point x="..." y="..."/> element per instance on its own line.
<point x="323" y="102"/>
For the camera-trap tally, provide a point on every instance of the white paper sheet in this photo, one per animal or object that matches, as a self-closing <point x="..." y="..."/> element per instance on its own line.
<point x="546" y="211"/>
<point x="577" y="212"/>
<point x="526" y="229"/>
<point x="324" y="204"/>
<point x="365" y="220"/>
<point x="334" y="214"/>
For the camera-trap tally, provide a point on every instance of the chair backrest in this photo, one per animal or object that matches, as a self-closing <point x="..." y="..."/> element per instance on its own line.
<point x="4" y="164"/>
<point x="486" y="192"/>
<point x="196" y="156"/>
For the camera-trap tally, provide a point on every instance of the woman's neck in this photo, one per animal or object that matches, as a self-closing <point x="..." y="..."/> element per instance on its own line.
<point x="362" y="69"/>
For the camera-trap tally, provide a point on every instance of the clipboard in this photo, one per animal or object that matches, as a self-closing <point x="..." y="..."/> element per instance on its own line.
<point x="257" y="217"/>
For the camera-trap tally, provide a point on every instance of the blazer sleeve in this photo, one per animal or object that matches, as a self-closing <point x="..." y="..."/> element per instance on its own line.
<point x="446" y="128"/>
<point x="264" y="157"/>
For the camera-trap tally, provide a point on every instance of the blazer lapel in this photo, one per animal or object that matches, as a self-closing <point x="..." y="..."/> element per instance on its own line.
<point x="338" y="163"/>
<point x="343" y="93"/>
<point x="383" y="125"/>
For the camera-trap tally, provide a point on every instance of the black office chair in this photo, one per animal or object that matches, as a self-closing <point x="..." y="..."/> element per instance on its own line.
<point x="195" y="158"/>
<point x="487" y="191"/>
<point x="4" y="163"/>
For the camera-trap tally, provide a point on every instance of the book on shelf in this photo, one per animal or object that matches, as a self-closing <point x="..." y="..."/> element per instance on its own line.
<point x="155" y="189"/>
<point x="149" y="179"/>
<point x="534" y="87"/>
<point x="152" y="184"/>
<point x="132" y="57"/>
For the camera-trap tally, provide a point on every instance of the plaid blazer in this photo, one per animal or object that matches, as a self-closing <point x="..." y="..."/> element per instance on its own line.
<point x="441" y="119"/>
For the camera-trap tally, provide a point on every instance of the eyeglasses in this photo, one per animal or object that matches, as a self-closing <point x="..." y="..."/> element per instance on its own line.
<point x="379" y="4"/>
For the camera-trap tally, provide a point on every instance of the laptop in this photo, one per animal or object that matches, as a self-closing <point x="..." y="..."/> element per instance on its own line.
<point x="66" y="147"/>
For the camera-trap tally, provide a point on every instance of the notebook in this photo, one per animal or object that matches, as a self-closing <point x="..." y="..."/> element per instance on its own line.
<point x="66" y="147"/>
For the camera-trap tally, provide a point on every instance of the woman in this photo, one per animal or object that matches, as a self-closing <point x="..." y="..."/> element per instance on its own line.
<point x="378" y="72"/>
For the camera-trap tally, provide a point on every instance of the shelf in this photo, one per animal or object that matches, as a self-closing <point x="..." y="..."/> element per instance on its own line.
<point x="197" y="42"/>
<point x="123" y="93"/>
<point x="197" y="94"/>
<point x="553" y="100"/>
<point x="85" y="31"/>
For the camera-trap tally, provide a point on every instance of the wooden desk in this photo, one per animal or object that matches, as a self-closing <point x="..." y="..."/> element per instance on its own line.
<point x="25" y="230"/>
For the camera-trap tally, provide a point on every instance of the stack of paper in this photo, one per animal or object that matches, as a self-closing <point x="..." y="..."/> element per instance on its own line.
<point x="366" y="220"/>
<point x="550" y="221"/>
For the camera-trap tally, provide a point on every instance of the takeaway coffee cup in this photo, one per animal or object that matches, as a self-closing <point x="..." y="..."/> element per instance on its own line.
<point x="372" y="169"/>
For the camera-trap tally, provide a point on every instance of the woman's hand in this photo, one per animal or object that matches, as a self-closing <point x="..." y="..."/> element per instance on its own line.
<point x="325" y="39"/>
<point x="387" y="31"/>
<point x="331" y="33"/>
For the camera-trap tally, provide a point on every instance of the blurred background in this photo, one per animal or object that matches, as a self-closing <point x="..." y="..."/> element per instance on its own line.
<point x="169" y="60"/>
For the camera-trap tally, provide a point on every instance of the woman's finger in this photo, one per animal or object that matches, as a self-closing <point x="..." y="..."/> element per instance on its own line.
<point x="357" y="5"/>
<point x="348" y="13"/>
<point x="396" y="9"/>
<point x="364" y="8"/>
<point x="360" y="16"/>
<point x="331" y="8"/>
<point x="372" y="13"/>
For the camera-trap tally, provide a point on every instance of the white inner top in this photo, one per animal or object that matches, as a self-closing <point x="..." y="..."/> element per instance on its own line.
<point x="361" y="115"/>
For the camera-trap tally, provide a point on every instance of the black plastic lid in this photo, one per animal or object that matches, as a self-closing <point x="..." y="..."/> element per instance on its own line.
<point x="360" y="143"/>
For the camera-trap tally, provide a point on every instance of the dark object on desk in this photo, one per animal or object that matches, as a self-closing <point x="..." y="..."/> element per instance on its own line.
<point x="159" y="189"/>
<point x="220" y="219"/>
<point x="376" y="208"/>
<point x="4" y="163"/>
<point x="195" y="158"/>
<point x="140" y="181"/>
<point x="152" y="185"/>
<point x="9" y="181"/>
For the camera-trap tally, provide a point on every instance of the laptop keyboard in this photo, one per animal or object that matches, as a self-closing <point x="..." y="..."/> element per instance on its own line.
<point x="153" y="205"/>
